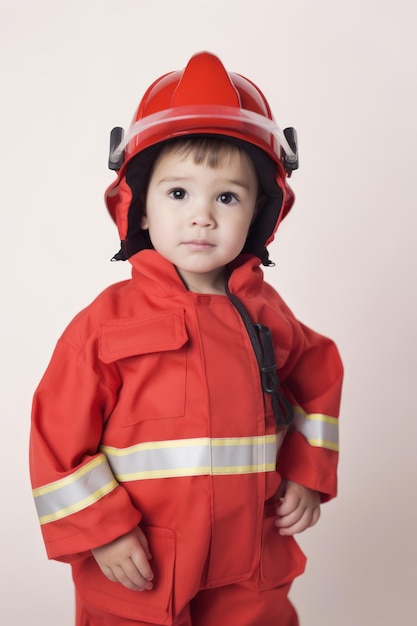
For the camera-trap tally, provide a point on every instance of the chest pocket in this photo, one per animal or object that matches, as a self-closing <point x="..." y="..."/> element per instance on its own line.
<point x="151" y="357"/>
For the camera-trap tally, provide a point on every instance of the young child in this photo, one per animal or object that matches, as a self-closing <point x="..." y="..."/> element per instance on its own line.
<point x="186" y="426"/>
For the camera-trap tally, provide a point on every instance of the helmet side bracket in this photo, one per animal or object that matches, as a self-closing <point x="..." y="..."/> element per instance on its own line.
<point x="291" y="161"/>
<point x="116" y="160"/>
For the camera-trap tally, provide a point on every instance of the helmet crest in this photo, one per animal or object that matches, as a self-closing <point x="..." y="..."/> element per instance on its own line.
<point x="204" y="82"/>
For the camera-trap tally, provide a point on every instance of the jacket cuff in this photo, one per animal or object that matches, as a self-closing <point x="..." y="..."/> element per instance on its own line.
<point x="310" y="466"/>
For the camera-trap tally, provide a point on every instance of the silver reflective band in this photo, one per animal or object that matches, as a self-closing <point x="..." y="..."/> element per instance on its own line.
<point x="194" y="457"/>
<point x="320" y="430"/>
<point x="74" y="492"/>
<point x="194" y="116"/>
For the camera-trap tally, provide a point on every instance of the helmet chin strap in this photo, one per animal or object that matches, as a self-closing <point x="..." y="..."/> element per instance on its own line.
<point x="263" y="347"/>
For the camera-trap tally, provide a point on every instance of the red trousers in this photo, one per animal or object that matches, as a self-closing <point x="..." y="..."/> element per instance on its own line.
<point x="224" y="606"/>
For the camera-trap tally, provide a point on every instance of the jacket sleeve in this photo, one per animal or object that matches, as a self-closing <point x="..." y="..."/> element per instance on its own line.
<point x="80" y="505"/>
<point x="311" y="376"/>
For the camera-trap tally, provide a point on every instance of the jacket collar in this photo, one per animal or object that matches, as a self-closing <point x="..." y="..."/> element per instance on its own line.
<point x="155" y="275"/>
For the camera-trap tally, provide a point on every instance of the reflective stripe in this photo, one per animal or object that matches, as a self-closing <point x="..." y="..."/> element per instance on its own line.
<point x="320" y="430"/>
<point x="194" y="457"/>
<point x="74" y="492"/>
<point x="161" y="459"/>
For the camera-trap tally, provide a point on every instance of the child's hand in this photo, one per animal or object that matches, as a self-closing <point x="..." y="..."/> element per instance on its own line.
<point x="298" y="509"/>
<point x="126" y="560"/>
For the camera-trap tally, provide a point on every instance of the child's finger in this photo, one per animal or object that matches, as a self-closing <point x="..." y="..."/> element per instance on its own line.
<point x="294" y="524"/>
<point x="299" y="521"/>
<point x="128" y="575"/>
<point x="141" y="563"/>
<point x="287" y="505"/>
<point x="285" y="520"/>
<point x="144" y="542"/>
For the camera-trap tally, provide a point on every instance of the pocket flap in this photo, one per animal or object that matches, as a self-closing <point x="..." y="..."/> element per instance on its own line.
<point x="124" y="338"/>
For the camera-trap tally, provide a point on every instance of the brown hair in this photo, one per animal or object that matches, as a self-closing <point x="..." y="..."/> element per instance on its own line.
<point x="208" y="150"/>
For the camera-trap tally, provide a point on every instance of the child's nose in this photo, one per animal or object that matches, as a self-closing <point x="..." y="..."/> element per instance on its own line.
<point x="202" y="215"/>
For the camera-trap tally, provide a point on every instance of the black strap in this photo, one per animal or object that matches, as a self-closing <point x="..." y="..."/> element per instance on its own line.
<point x="263" y="347"/>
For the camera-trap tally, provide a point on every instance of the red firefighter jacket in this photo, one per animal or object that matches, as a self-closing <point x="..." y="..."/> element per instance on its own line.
<point x="151" y="411"/>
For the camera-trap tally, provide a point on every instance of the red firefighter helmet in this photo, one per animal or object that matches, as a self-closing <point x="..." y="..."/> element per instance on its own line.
<point x="202" y="99"/>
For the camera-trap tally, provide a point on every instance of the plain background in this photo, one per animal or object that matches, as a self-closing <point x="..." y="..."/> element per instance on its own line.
<point x="342" y="73"/>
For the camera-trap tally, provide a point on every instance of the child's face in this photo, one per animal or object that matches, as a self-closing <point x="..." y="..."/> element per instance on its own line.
<point x="198" y="217"/>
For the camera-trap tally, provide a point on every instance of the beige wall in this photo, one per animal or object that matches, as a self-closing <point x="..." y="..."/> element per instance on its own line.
<point x="343" y="73"/>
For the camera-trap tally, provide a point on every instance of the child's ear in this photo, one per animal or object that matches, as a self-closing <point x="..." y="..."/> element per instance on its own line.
<point x="143" y="217"/>
<point x="144" y="222"/>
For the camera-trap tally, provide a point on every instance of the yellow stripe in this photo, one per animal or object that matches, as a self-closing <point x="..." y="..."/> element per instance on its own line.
<point x="155" y="445"/>
<point x="322" y="443"/>
<point x="318" y="417"/>
<point x="58" y="484"/>
<point x="244" y="441"/>
<point x="177" y="473"/>
<point x="244" y="469"/>
<point x="94" y="497"/>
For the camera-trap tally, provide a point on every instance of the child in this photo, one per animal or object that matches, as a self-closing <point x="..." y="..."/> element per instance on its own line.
<point x="186" y="426"/>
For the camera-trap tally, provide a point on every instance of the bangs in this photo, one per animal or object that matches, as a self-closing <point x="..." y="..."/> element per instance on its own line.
<point x="211" y="151"/>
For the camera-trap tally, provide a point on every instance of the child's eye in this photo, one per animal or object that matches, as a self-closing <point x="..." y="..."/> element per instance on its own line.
<point x="227" y="197"/>
<point x="177" y="194"/>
